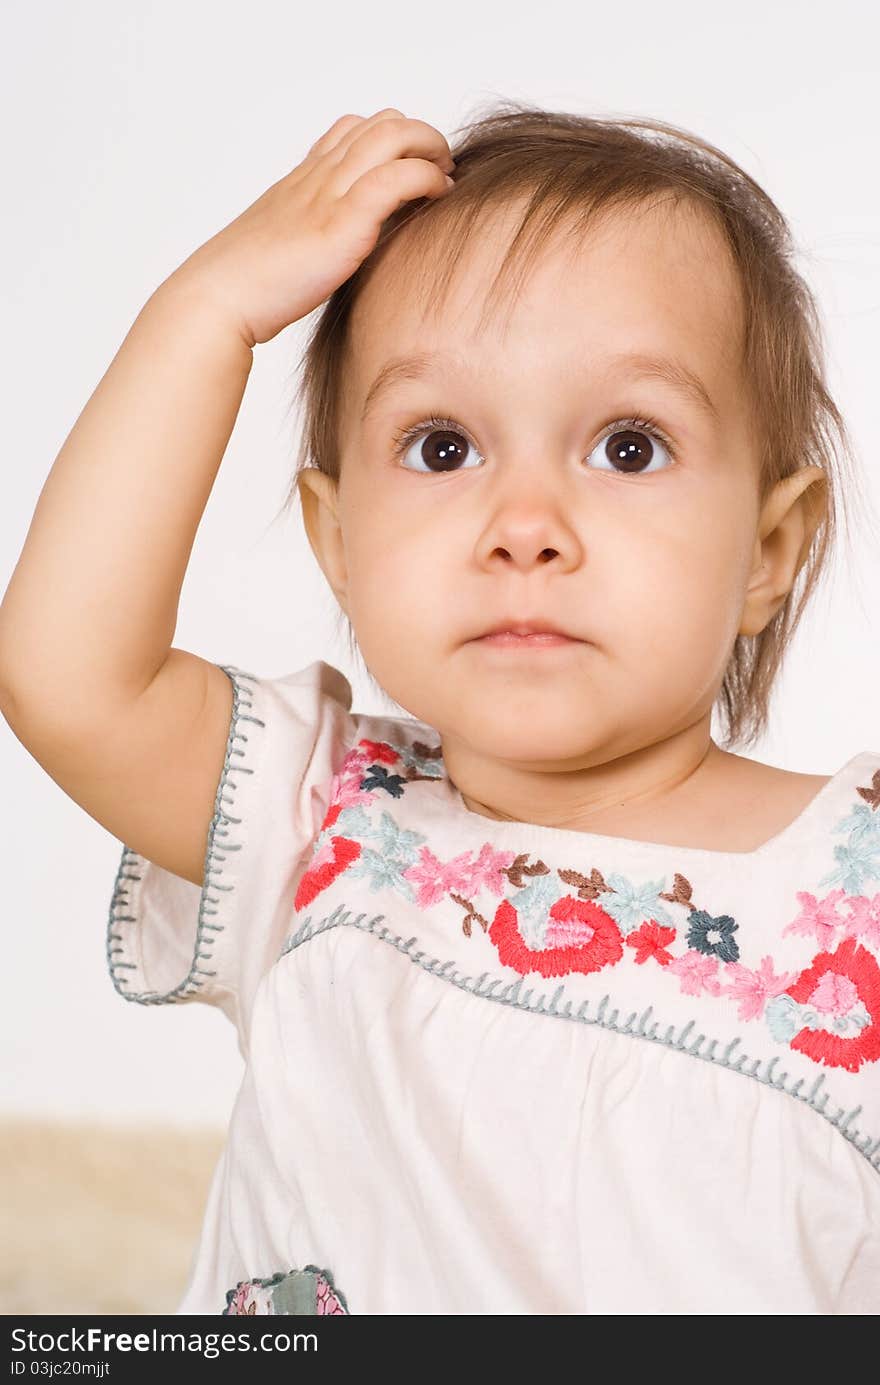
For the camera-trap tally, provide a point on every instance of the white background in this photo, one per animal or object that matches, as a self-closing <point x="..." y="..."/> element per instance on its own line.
<point x="130" y="135"/>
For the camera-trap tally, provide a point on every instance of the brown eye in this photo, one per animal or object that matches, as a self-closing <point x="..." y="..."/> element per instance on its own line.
<point x="631" y="450"/>
<point x="437" y="449"/>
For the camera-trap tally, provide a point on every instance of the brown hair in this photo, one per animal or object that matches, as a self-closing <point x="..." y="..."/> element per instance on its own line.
<point x="577" y="166"/>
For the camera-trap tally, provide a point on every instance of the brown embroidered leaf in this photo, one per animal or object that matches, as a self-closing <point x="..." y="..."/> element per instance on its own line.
<point x="518" y="869"/>
<point x="871" y="795"/>
<point x="412" y="774"/>
<point x="539" y="868"/>
<point x="472" y="913"/>
<point x="427" y="752"/>
<point x="681" y="891"/>
<point x="586" y="888"/>
<point x="573" y="877"/>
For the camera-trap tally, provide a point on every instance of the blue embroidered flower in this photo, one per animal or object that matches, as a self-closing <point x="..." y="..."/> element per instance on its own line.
<point x="394" y="840"/>
<point x="783" y="1016"/>
<point x="353" y="822"/>
<point x="422" y="764"/>
<point x="858" y="860"/>
<point x="712" y="935"/>
<point x="382" y="872"/>
<point x="633" y="905"/>
<point x="847" y="1026"/>
<point x="396" y="851"/>
<point x="377" y="777"/>
<point x="533" y="904"/>
<point x="786" y="1017"/>
<point x="861" y="822"/>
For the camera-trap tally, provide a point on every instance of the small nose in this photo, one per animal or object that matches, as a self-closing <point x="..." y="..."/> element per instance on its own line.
<point x="527" y="536"/>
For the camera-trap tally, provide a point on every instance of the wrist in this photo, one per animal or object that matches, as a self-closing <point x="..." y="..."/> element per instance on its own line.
<point x="190" y="294"/>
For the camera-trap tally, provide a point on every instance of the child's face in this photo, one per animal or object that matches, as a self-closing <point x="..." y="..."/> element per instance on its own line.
<point x="650" y="570"/>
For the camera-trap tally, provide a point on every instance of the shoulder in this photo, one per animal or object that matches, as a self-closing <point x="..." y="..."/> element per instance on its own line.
<point x="787" y="791"/>
<point x="745" y="802"/>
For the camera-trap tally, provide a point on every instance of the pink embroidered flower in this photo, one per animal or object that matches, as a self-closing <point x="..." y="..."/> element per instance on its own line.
<point x="326" y="1301"/>
<point x="486" y="871"/>
<point x="250" y="1297"/>
<point x="238" y="1305"/>
<point x="324" y="855"/>
<point x="696" y="972"/>
<point x="568" y="930"/>
<point x="650" y="941"/>
<point x="818" y="917"/>
<point x="754" y="988"/>
<point x="436" y="878"/>
<point x="834" y="994"/>
<point x="864" y="919"/>
<point x="345" y="793"/>
<point x="570" y="918"/>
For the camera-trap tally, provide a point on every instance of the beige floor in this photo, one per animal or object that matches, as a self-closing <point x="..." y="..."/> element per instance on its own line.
<point x="100" y="1220"/>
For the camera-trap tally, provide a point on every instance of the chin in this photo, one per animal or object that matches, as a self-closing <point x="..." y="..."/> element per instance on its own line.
<point x="523" y="739"/>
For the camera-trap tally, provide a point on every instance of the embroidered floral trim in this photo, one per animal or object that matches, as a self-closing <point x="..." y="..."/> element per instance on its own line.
<point x="306" y="1292"/>
<point x="558" y="922"/>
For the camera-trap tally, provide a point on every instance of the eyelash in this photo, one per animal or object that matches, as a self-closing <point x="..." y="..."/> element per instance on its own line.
<point x="404" y="437"/>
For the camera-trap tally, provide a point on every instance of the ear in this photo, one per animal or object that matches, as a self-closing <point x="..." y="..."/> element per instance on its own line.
<point x="787" y="524"/>
<point x="319" y="497"/>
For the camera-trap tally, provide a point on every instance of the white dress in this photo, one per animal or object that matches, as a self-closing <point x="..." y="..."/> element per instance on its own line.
<point x="497" y="1067"/>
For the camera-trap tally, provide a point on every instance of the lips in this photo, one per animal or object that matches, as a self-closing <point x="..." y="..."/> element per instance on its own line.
<point x="543" y="640"/>
<point x="528" y="635"/>
<point x="525" y="629"/>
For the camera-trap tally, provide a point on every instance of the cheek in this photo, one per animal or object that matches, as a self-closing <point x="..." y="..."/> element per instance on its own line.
<point x="674" y="586"/>
<point x="397" y="560"/>
<point x="391" y="585"/>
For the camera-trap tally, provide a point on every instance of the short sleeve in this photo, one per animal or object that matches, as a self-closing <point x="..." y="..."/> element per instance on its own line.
<point x="168" y="940"/>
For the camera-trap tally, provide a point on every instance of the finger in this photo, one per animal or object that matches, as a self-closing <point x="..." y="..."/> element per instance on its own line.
<point x="331" y="140"/>
<point x="332" y="135"/>
<point x="387" y="142"/>
<point x="341" y="146"/>
<point x="379" y="191"/>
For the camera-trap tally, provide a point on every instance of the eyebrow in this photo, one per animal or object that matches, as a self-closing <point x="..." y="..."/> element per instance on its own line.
<point x="638" y="365"/>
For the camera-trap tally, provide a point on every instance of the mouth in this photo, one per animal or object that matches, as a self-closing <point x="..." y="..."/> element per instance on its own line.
<point x="526" y="639"/>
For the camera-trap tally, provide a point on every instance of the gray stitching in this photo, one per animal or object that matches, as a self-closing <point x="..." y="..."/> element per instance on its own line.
<point x="219" y="844"/>
<point x="865" y="1143"/>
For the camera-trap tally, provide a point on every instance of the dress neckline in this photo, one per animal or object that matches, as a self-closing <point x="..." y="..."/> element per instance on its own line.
<point x="552" y="840"/>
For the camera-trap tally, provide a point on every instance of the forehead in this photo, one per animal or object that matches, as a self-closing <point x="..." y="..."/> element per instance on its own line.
<point x="657" y="280"/>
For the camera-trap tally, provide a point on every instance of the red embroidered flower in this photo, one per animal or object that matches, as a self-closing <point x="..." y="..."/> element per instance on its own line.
<point x="591" y="939"/>
<point x="855" y="963"/>
<point x="650" y="941"/>
<point x="319" y="876"/>
<point x="378" y="750"/>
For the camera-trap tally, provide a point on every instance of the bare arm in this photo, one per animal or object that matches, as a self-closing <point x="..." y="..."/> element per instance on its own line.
<point x="90" y="612"/>
<point x="134" y="730"/>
